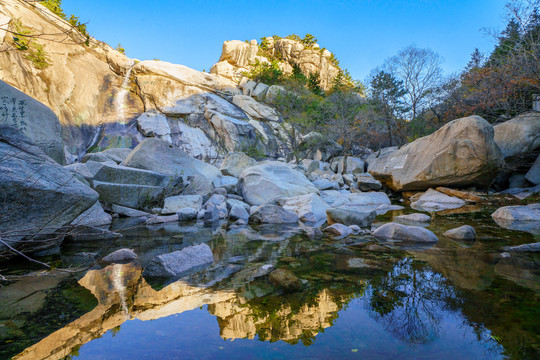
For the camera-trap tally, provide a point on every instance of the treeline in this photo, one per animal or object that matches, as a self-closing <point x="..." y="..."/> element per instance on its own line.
<point x="408" y="96"/>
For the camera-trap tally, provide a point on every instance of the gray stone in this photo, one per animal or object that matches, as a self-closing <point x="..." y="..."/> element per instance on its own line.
<point x="38" y="195"/>
<point x="518" y="181"/>
<point x="187" y="214"/>
<point x="219" y="191"/>
<point x="238" y="212"/>
<point x="432" y="200"/>
<point x="465" y="232"/>
<point x="325" y="184"/>
<point x="533" y="247"/>
<point x="259" y="93"/>
<point x="128" y="212"/>
<point x="519" y="135"/>
<point x="80" y="169"/>
<point x="523" y="218"/>
<point x="272" y="179"/>
<point x="350" y="216"/>
<point x="354" y="165"/>
<point x="338" y="230"/>
<point x="127" y="175"/>
<point x="34" y="120"/>
<point x="461" y="153"/>
<point x="117" y="155"/>
<point x="94" y="216"/>
<point x="413" y="218"/>
<point x="232" y="202"/>
<point x="227" y="182"/>
<point x="534" y="172"/>
<point x="159" y="156"/>
<point x="235" y="162"/>
<point x="173" y="204"/>
<point x="308" y="207"/>
<point x="272" y="214"/>
<point x="366" y="182"/>
<point x="129" y="195"/>
<point x="154" y="125"/>
<point x="161" y="219"/>
<point x="217" y="200"/>
<point x="120" y="256"/>
<point x="180" y="263"/>
<point x="395" y="231"/>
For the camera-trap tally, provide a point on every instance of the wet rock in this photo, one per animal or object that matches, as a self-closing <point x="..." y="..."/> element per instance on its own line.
<point x="272" y="214"/>
<point x="413" y="218"/>
<point x="120" y="256"/>
<point x="366" y="182"/>
<point x="285" y="280"/>
<point x="350" y="216"/>
<point x="464" y="232"/>
<point x="187" y="214"/>
<point x="162" y="219"/>
<point x="461" y="153"/>
<point x="523" y="218"/>
<point x="180" y="263"/>
<point x="173" y="204"/>
<point x="272" y="179"/>
<point x="463" y="195"/>
<point x="338" y="230"/>
<point x="235" y="162"/>
<point x="308" y="207"/>
<point x="433" y="200"/>
<point x="395" y="231"/>
<point x="534" y="247"/>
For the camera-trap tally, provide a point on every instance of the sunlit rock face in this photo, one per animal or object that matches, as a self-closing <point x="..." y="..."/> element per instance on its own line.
<point x="240" y="321"/>
<point x="238" y="56"/>
<point x="98" y="93"/>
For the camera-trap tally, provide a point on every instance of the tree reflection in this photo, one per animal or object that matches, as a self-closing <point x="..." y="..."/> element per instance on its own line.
<point x="409" y="301"/>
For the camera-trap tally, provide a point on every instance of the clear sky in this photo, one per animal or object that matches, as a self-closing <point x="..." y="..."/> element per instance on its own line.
<point x="361" y="33"/>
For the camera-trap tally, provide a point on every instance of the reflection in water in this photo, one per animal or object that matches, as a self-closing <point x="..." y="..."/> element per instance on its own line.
<point x="409" y="301"/>
<point x="413" y="301"/>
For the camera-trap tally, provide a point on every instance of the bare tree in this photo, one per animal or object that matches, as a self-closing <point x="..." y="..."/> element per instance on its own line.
<point x="421" y="72"/>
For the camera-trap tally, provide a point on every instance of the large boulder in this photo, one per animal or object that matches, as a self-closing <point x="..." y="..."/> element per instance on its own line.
<point x="174" y="204"/>
<point x="159" y="156"/>
<point x="127" y="175"/>
<point x="131" y="195"/>
<point x="255" y="109"/>
<point x="94" y="216"/>
<point x="32" y="119"/>
<point x="39" y="197"/>
<point x="461" y="153"/>
<point x="395" y="231"/>
<point x="272" y="179"/>
<point x="180" y="263"/>
<point x="235" y="162"/>
<point x="519" y="135"/>
<point x="308" y="207"/>
<point x="113" y="154"/>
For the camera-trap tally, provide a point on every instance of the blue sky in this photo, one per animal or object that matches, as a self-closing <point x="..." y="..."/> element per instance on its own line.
<point x="361" y="33"/>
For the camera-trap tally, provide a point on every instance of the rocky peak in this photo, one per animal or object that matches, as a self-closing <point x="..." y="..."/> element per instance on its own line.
<point x="237" y="57"/>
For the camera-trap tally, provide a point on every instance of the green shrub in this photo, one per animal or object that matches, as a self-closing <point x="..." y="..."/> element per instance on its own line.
<point x="33" y="51"/>
<point x="268" y="73"/>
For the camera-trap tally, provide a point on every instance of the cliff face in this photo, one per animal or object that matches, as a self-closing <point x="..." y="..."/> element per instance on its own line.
<point x="237" y="57"/>
<point x="99" y="94"/>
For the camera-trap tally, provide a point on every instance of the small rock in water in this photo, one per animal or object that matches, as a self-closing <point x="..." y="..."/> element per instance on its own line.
<point x="162" y="219"/>
<point x="464" y="232"/>
<point x="180" y="263"/>
<point x="414" y="218"/>
<point x="187" y="214"/>
<point x="338" y="230"/>
<point x="534" y="247"/>
<point x="395" y="231"/>
<point x="120" y="256"/>
<point x="285" y="280"/>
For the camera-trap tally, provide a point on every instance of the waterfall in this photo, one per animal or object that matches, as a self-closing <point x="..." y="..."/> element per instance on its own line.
<point x="122" y="95"/>
<point x="118" y="284"/>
